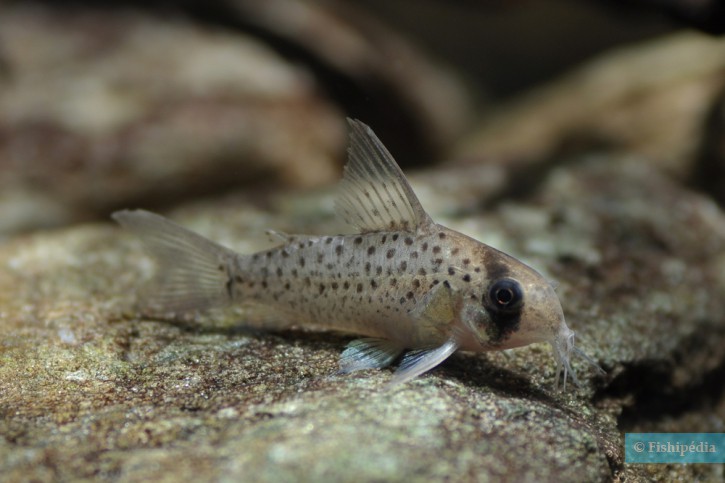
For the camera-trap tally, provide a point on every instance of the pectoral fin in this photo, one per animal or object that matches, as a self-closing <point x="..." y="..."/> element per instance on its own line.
<point x="437" y="308"/>
<point x="419" y="361"/>
<point x="368" y="353"/>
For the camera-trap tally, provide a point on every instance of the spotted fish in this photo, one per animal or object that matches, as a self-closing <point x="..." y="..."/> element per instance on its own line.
<point x="409" y="286"/>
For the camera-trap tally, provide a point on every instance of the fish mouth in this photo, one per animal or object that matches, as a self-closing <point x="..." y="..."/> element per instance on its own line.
<point x="563" y="346"/>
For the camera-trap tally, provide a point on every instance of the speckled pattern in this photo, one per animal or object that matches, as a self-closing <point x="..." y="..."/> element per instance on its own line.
<point x="403" y="278"/>
<point x="366" y="284"/>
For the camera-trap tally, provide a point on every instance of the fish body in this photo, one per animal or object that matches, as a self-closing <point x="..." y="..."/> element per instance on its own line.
<point x="403" y="282"/>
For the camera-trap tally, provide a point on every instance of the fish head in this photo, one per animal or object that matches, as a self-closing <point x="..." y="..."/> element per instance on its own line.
<point x="512" y="306"/>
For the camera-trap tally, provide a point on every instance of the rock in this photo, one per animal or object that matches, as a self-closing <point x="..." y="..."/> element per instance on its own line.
<point x="91" y="389"/>
<point x="145" y="111"/>
<point x="108" y="108"/>
<point x="417" y="105"/>
<point x="709" y="173"/>
<point x="631" y="100"/>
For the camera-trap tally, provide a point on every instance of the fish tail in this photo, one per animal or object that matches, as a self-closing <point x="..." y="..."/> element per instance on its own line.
<point x="194" y="273"/>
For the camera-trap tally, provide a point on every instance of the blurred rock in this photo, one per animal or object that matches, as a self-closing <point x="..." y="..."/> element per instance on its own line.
<point x="101" y="109"/>
<point x="89" y="389"/>
<point x="650" y="101"/>
<point x="416" y="105"/>
<point x="706" y="15"/>
<point x="106" y="108"/>
<point x="709" y="174"/>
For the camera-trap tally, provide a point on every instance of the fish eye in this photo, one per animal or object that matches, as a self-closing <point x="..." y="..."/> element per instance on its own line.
<point x="506" y="295"/>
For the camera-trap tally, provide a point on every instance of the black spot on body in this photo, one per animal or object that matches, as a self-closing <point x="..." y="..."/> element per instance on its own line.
<point x="403" y="266"/>
<point x="421" y="271"/>
<point x="441" y="235"/>
<point x="384" y="239"/>
<point x="371" y="250"/>
<point x="395" y="237"/>
<point x="279" y="272"/>
<point x="359" y="288"/>
<point x="373" y="284"/>
<point x="320" y="257"/>
<point x="416" y="283"/>
<point x="379" y="270"/>
<point x="409" y="295"/>
<point x="414" y="255"/>
<point x="238" y="279"/>
<point x="302" y="261"/>
<point x="438" y="261"/>
<point x="264" y="284"/>
<point x="436" y="249"/>
<point x="495" y="269"/>
<point x="328" y="240"/>
<point x="367" y="268"/>
<point x="286" y="286"/>
<point x="334" y="285"/>
<point x="425" y="246"/>
<point x="285" y="254"/>
<point x="391" y="253"/>
<point x="338" y="250"/>
<point x="455" y="251"/>
<point x="466" y="278"/>
<point x="451" y="271"/>
<point x="358" y="240"/>
<point x="466" y="261"/>
<point x="408" y="240"/>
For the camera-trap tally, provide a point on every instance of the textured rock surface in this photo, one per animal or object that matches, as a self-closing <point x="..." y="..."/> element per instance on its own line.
<point x="91" y="389"/>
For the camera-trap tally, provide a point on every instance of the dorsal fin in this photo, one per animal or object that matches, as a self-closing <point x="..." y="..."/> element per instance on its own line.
<point x="374" y="194"/>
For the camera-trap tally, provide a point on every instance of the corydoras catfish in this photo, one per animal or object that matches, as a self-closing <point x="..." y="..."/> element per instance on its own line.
<point x="408" y="285"/>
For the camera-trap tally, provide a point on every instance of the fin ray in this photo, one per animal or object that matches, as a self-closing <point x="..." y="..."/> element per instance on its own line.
<point x="418" y="361"/>
<point x="374" y="194"/>
<point x="193" y="272"/>
<point x="368" y="353"/>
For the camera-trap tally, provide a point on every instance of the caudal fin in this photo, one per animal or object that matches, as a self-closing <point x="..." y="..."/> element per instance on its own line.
<point x="193" y="272"/>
